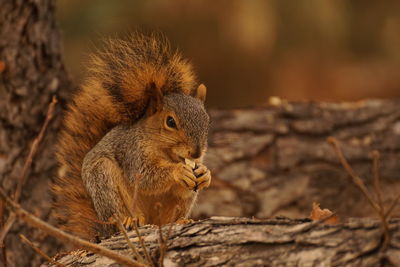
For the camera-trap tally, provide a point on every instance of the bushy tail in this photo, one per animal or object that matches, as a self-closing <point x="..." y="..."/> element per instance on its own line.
<point x="116" y="91"/>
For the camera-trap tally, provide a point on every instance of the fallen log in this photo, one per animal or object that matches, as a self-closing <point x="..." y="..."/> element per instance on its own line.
<point x="221" y="241"/>
<point x="275" y="160"/>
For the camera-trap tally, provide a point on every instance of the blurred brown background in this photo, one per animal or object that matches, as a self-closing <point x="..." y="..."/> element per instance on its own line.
<point x="246" y="51"/>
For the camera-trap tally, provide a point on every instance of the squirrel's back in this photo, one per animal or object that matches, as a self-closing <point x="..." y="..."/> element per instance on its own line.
<point x="122" y="76"/>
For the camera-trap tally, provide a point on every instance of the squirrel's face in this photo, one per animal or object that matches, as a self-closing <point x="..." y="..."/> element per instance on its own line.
<point x="180" y="127"/>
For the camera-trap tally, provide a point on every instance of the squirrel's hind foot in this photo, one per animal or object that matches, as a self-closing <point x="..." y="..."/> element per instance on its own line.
<point x="129" y="223"/>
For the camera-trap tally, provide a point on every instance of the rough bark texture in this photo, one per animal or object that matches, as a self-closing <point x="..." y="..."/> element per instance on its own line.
<point x="275" y="160"/>
<point x="250" y="242"/>
<point x="34" y="72"/>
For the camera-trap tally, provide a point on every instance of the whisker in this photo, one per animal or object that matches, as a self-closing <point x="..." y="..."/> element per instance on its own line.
<point x="154" y="132"/>
<point x="162" y="137"/>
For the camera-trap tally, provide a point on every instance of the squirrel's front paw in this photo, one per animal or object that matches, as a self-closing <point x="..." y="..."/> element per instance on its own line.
<point x="184" y="175"/>
<point x="203" y="175"/>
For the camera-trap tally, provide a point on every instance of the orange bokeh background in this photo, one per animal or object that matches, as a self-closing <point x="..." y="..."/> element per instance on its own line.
<point x="247" y="51"/>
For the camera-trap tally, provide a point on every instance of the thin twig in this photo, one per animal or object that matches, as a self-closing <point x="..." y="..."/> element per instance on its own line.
<point x="355" y="179"/>
<point x="7" y="226"/>
<point x="61" y="235"/>
<point x="146" y="252"/>
<point x="379" y="208"/>
<point x="39" y="251"/>
<point x="2" y="245"/>
<point x="27" y="165"/>
<point x="33" y="150"/>
<point x="135" y="225"/>
<point x="169" y="231"/>
<point x="124" y="233"/>
<point x="162" y="246"/>
<point x="377" y="178"/>
<point x="392" y="206"/>
<point x="378" y="193"/>
<point x="163" y="241"/>
<point x="4" y="251"/>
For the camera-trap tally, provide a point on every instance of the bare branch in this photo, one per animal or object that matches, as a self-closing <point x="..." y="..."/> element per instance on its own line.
<point x="392" y="206"/>
<point x="2" y="245"/>
<point x="22" y="178"/>
<point x="377" y="178"/>
<point x="39" y="251"/>
<point x="135" y="225"/>
<point x="33" y="150"/>
<point x="355" y="179"/>
<point x="124" y="233"/>
<point x="379" y="208"/>
<point x="61" y="235"/>
<point x="163" y="243"/>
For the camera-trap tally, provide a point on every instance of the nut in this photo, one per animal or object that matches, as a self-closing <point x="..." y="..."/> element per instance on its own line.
<point x="190" y="163"/>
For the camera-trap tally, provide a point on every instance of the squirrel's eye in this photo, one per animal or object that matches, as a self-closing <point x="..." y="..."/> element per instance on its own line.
<point x="171" y="122"/>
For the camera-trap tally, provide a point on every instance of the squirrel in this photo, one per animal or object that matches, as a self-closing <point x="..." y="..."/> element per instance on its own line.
<point x="133" y="139"/>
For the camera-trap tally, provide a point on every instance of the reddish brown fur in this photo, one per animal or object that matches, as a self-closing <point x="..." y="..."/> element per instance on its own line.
<point x="115" y="92"/>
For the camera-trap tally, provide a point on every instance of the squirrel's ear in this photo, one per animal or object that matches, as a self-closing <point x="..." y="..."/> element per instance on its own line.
<point x="155" y="99"/>
<point x="201" y="92"/>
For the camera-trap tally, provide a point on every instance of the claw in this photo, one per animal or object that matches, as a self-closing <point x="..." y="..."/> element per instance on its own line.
<point x="128" y="223"/>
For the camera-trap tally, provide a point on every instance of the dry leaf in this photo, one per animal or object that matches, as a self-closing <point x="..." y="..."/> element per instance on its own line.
<point x="317" y="214"/>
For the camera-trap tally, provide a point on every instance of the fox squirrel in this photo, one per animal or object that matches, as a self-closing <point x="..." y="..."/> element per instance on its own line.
<point x="135" y="133"/>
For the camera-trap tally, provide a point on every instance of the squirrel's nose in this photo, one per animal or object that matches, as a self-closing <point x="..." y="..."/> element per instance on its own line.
<point x="196" y="152"/>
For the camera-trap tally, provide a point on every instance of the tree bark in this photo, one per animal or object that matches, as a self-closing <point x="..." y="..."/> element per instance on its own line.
<point x="274" y="160"/>
<point x="223" y="241"/>
<point x="30" y="52"/>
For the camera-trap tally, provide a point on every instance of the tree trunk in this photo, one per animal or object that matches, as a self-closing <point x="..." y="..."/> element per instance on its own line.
<point x="30" y="52"/>
<point x="222" y="241"/>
